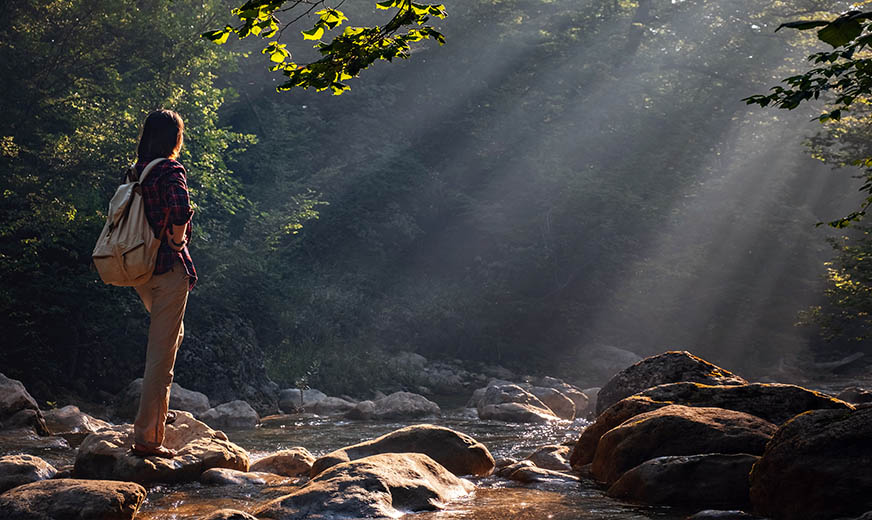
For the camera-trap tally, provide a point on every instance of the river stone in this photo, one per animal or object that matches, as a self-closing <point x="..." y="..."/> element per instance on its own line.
<point x="385" y="485"/>
<point x="458" y="452"/>
<point x="71" y="499"/>
<point x="183" y="399"/>
<point x="292" y="400"/>
<point x="398" y="405"/>
<point x="816" y="466"/>
<point x="232" y="477"/>
<point x="677" y="430"/>
<point x="669" y="367"/>
<point x="105" y="454"/>
<point x="16" y="470"/>
<point x="18" y="408"/>
<point x="775" y="403"/>
<point x="237" y="415"/>
<point x="70" y="419"/>
<point x="533" y="474"/>
<point x="228" y="514"/>
<point x="554" y="457"/>
<point x="711" y="480"/>
<point x="856" y="395"/>
<point x="511" y="403"/>
<point x="290" y="463"/>
<point x="330" y="406"/>
<point x="556" y="401"/>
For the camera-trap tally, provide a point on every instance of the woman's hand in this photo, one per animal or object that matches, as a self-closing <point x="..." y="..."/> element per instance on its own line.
<point x="177" y="231"/>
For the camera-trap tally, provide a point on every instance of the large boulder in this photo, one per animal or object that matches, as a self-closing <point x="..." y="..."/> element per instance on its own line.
<point x="70" y="499"/>
<point x="556" y="401"/>
<point x="290" y="463"/>
<point x="713" y="480"/>
<point x="578" y="397"/>
<point x="511" y="403"/>
<point x="293" y="400"/>
<point x="105" y="454"/>
<point x="235" y="415"/>
<point x="18" y="408"/>
<point x="387" y="485"/>
<point x="127" y="404"/>
<point x="816" y="466"/>
<point x="330" y="406"/>
<point x="70" y="419"/>
<point x="553" y="457"/>
<point x="17" y="470"/>
<point x="669" y="367"/>
<point x="677" y="430"/>
<point x="458" y="452"/>
<point x="856" y="395"/>
<point x="398" y="405"/>
<point x="775" y="403"/>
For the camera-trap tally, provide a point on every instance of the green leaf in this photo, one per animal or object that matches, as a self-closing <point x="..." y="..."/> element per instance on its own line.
<point x="315" y="33"/>
<point x="803" y="24"/>
<point x="839" y="33"/>
<point x="219" y="36"/>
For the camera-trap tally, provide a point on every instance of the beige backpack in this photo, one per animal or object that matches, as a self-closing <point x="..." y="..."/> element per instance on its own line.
<point x="126" y="251"/>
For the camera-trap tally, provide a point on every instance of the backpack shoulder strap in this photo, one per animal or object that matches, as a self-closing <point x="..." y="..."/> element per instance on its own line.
<point x="148" y="168"/>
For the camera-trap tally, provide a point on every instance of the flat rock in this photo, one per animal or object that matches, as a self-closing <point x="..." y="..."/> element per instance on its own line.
<point x="458" y="452"/>
<point x="180" y="399"/>
<point x="713" y="480"/>
<point x="71" y="499"/>
<point x="775" y="403"/>
<point x="235" y="415"/>
<point x="293" y="462"/>
<point x="18" y="408"/>
<point x="398" y="405"/>
<point x="232" y="477"/>
<point x="17" y="470"/>
<point x="385" y="485"/>
<point x="669" y="367"/>
<point x="816" y="466"/>
<point x="105" y="454"/>
<point x="553" y="457"/>
<point x="70" y="419"/>
<point x="228" y="514"/>
<point x="677" y="430"/>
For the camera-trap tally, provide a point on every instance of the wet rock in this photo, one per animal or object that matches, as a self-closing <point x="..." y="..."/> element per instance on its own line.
<point x="331" y="406"/>
<point x="25" y="439"/>
<point x="856" y="395"/>
<point x="576" y="395"/>
<point x="717" y="514"/>
<point x="458" y="452"/>
<point x="554" y="457"/>
<point x="533" y="474"/>
<point x="712" y="480"/>
<point x="228" y="514"/>
<point x="561" y="405"/>
<point x="509" y="466"/>
<point x="511" y="403"/>
<point x="183" y="399"/>
<point x="18" y="408"/>
<point x="398" y="405"/>
<point x="290" y="463"/>
<point x="669" y="367"/>
<point x="775" y="403"/>
<point x="17" y="470"/>
<point x="237" y="415"/>
<point x="816" y="466"/>
<point x="384" y="485"/>
<point x="292" y="400"/>
<point x="232" y="477"/>
<point x="677" y="430"/>
<point x="105" y="454"/>
<point x="71" y="499"/>
<point x="70" y="419"/>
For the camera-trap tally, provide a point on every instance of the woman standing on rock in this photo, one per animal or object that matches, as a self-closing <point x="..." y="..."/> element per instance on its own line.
<point x="165" y="295"/>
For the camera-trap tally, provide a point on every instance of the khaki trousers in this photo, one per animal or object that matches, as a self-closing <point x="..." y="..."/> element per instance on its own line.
<point x="165" y="297"/>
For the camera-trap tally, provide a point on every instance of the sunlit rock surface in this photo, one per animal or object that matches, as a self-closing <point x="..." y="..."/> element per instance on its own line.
<point x="232" y="477"/>
<point x="71" y="499"/>
<point x="579" y="397"/>
<point x="384" y="485"/>
<point x="180" y="399"/>
<point x="712" y="480"/>
<point x="561" y="405"/>
<point x="554" y="457"/>
<point x="678" y="430"/>
<point x="228" y="514"/>
<point x="669" y="367"/>
<point x="16" y="470"/>
<point x="18" y="409"/>
<point x="512" y="403"/>
<point x="459" y="453"/>
<point x="856" y="395"/>
<point x="290" y="463"/>
<point x="775" y="403"/>
<point x="70" y="419"/>
<point x="233" y="415"/>
<point x="818" y="465"/>
<point x="106" y="455"/>
<point x="398" y="405"/>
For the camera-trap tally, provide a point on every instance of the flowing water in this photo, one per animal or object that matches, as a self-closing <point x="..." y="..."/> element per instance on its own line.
<point x="494" y="499"/>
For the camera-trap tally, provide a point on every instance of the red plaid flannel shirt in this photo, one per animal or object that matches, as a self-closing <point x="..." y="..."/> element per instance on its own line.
<point x="166" y="187"/>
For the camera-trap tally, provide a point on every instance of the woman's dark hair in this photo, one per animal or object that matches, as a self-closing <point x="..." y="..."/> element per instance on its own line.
<point x="161" y="136"/>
